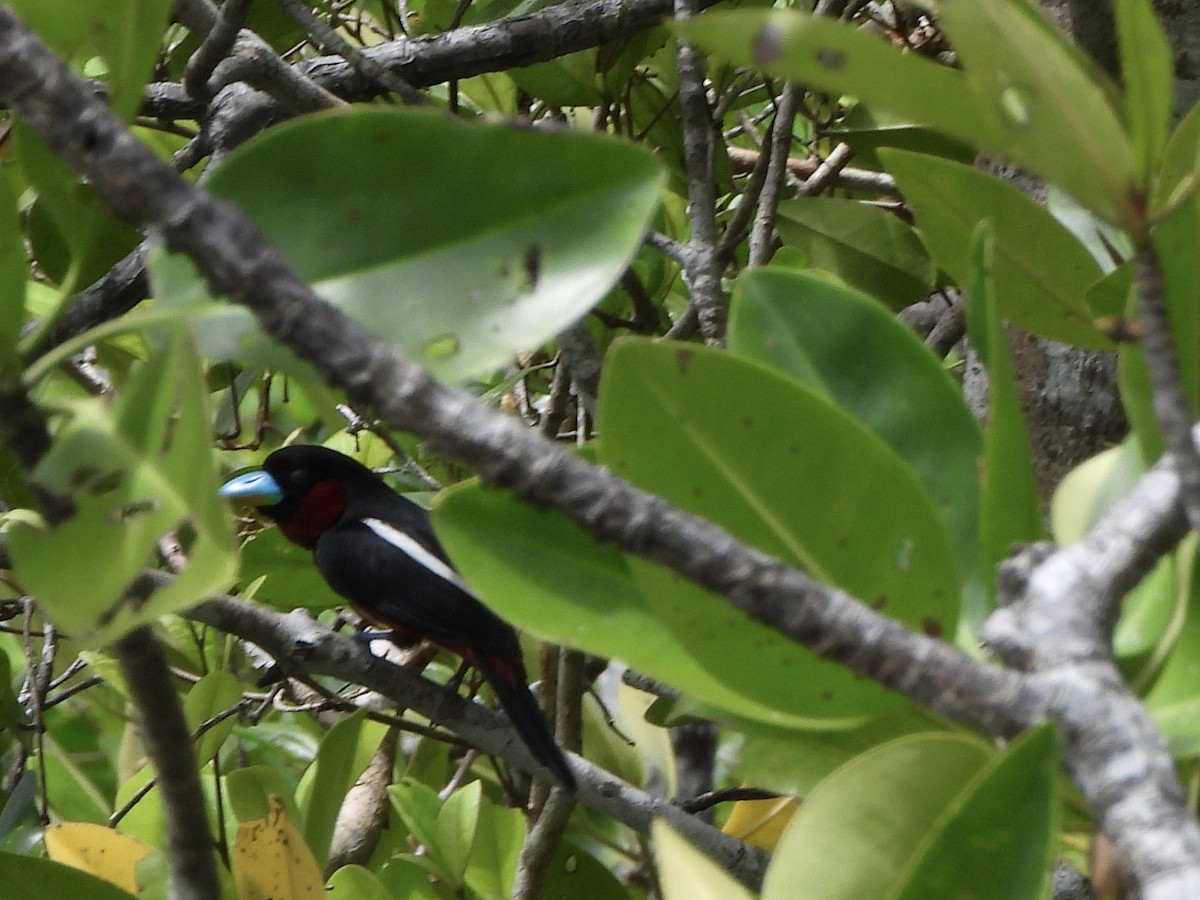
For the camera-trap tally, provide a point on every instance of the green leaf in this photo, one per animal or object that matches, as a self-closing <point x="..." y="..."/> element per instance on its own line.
<point x="1177" y="179"/>
<point x="496" y="850"/>
<point x="702" y="429"/>
<point x="1152" y="611"/>
<point x="1009" y="508"/>
<point x="868" y="129"/>
<point x="250" y="789"/>
<point x="863" y="826"/>
<point x="126" y="33"/>
<point x="462" y="245"/>
<point x="356" y="883"/>
<point x="1147" y="70"/>
<point x="29" y="878"/>
<point x="867" y="247"/>
<point x="792" y="761"/>
<point x="1048" y="104"/>
<point x="418" y="806"/>
<point x="345" y="751"/>
<point x="1174" y="700"/>
<point x="997" y="840"/>
<point x="549" y="577"/>
<point x="687" y="874"/>
<point x="576" y="872"/>
<point x="457" y="828"/>
<point x="811" y="330"/>
<point x="137" y="470"/>
<point x="1042" y="272"/>
<point x="213" y="694"/>
<point x="832" y="56"/>
<point x="1026" y="96"/>
<point x="146" y="820"/>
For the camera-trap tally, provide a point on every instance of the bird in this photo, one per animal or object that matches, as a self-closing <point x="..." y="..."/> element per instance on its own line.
<point x="378" y="550"/>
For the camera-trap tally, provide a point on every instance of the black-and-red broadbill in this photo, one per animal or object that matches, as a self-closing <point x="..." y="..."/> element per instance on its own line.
<point x="378" y="550"/>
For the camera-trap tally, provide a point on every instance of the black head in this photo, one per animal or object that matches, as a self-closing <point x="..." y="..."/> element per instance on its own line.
<point x="305" y="488"/>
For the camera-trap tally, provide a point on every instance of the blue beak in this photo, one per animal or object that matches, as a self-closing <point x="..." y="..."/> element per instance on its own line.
<point x="256" y="488"/>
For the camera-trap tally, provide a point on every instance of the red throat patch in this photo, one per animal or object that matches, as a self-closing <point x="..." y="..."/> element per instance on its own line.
<point x="320" y="508"/>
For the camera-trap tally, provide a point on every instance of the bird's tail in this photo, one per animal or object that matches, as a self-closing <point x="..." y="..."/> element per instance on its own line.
<point x="507" y="679"/>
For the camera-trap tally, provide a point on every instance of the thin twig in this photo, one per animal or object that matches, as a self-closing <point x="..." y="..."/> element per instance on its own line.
<point x="762" y="233"/>
<point x="701" y="268"/>
<point x="331" y="42"/>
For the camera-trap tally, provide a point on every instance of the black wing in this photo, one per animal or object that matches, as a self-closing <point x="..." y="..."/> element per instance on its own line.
<point x="389" y="564"/>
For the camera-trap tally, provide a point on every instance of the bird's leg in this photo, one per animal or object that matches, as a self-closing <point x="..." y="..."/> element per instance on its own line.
<point x="456" y="679"/>
<point x="368" y="636"/>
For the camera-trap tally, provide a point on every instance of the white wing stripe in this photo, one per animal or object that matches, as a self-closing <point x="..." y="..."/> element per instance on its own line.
<point x="413" y="549"/>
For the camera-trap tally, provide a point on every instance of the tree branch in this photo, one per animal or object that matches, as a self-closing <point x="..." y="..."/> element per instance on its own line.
<point x="701" y="262"/>
<point x="168" y="743"/>
<point x="304" y="645"/>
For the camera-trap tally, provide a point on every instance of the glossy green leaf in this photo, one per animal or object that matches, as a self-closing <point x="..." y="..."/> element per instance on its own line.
<point x="457" y="828"/>
<point x="997" y="840"/>
<point x="495" y="851"/>
<point x="1043" y="98"/>
<point x="576" y="872"/>
<point x="1107" y="244"/>
<point x="213" y="694"/>
<point x="1152" y="609"/>
<point x="867" y="247"/>
<point x="345" y="751"/>
<point x="864" y="825"/>
<point x="249" y="790"/>
<point x="1009" y="501"/>
<point x="145" y="821"/>
<point x="405" y="880"/>
<point x="867" y="129"/>
<point x="1042" y="273"/>
<point x="1174" y="699"/>
<point x="610" y="747"/>
<point x="701" y="429"/>
<point x="136" y="470"/>
<point x="127" y="33"/>
<point x="1025" y="95"/>
<point x="356" y="883"/>
<point x="463" y="245"/>
<point x="418" y="806"/>
<point x="549" y="577"/>
<point x="1147" y="71"/>
<point x="685" y="873"/>
<point x="1176" y="180"/>
<point x="838" y="342"/>
<point x="791" y="761"/>
<point x="30" y="878"/>
<point x="833" y="56"/>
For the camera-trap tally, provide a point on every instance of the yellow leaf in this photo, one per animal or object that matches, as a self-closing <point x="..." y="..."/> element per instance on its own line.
<point x="687" y="874"/>
<point x="761" y="822"/>
<point x="271" y="859"/>
<point x="97" y="850"/>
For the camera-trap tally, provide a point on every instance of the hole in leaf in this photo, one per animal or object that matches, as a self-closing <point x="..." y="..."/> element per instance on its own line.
<point x="1016" y="106"/>
<point x="443" y="347"/>
<point x="767" y="45"/>
<point x="831" y="58"/>
<point x="136" y="508"/>
<point x="532" y="264"/>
